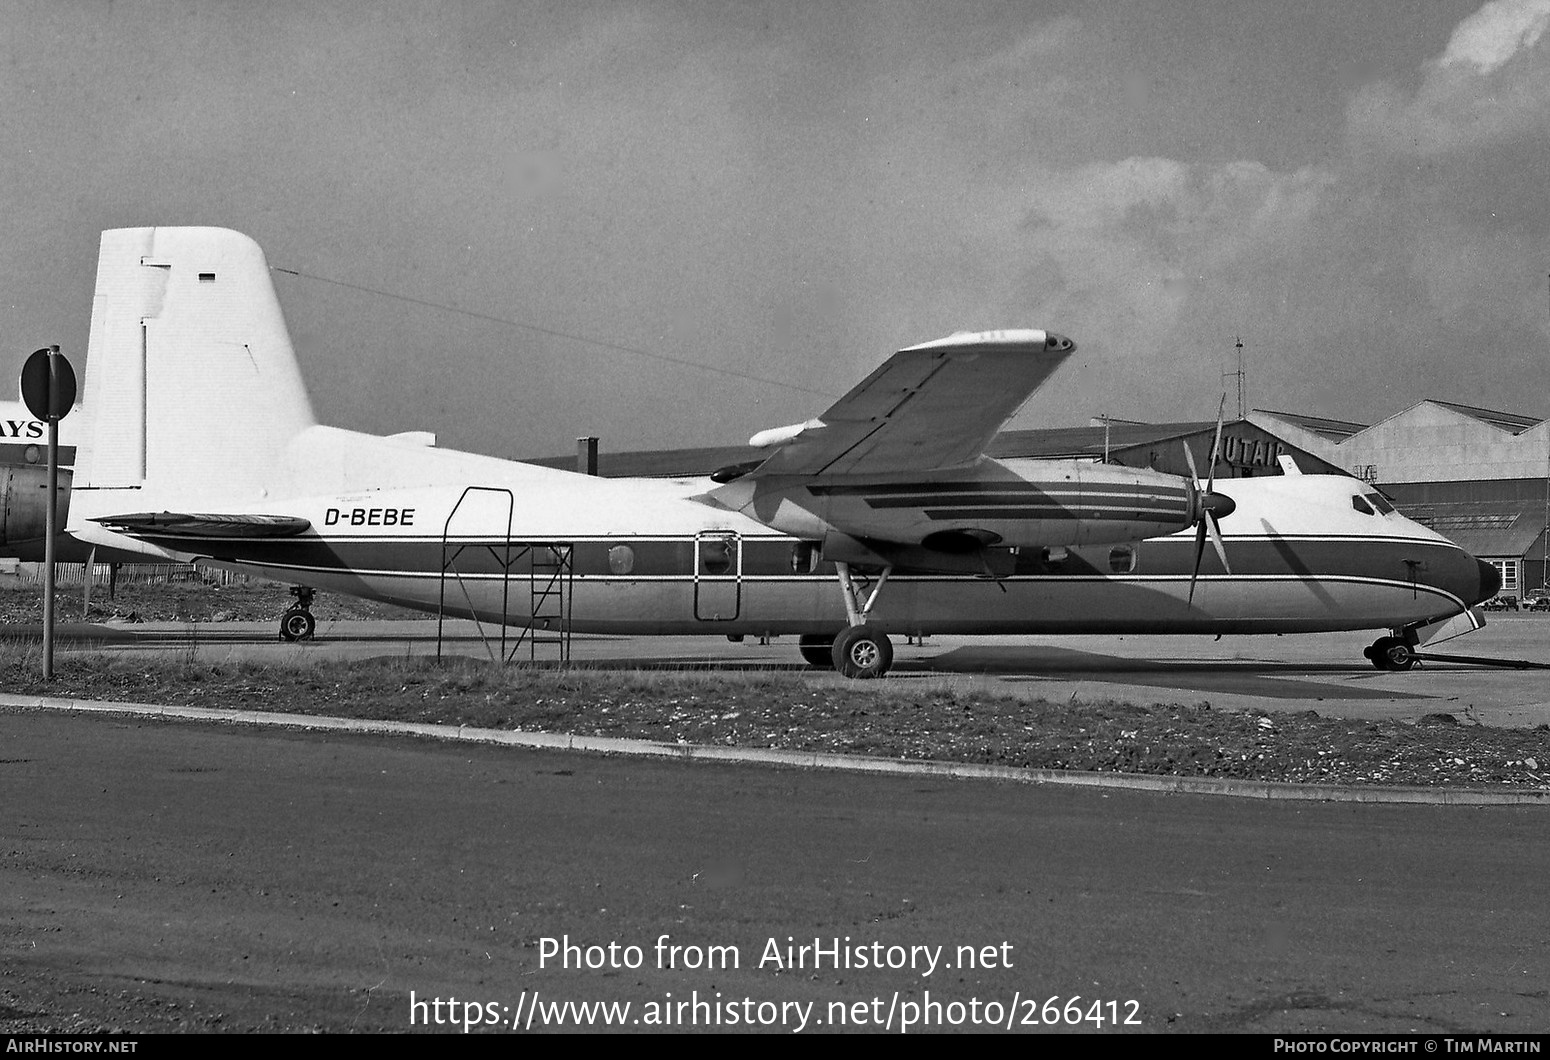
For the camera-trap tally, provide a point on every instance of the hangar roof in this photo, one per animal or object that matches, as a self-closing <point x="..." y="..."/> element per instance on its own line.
<point x="1334" y="430"/>
<point x="1482" y="529"/>
<point x="1507" y="421"/>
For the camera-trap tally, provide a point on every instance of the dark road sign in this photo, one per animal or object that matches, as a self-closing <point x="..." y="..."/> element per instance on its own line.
<point x="44" y="402"/>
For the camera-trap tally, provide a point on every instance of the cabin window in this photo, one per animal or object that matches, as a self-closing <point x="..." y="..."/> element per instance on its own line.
<point x="1122" y="559"/>
<point x="1380" y="502"/>
<point x="621" y="559"/>
<point x="1362" y="506"/>
<point x="804" y="557"/>
<point x="716" y="556"/>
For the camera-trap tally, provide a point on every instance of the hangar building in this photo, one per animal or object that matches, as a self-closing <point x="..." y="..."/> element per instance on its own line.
<point x="1478" y="476"/>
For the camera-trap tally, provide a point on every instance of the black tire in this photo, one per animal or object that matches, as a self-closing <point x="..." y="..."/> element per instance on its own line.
<point x="817" y="649"/>
<point x="1391" y="653"/>
<point x="862" y="653"/>
<point x="1400" y="655"/>
<point x="297" y="624"/>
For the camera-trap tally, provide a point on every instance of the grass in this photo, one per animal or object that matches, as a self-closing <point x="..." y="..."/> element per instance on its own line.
<point x="784" y="709"/>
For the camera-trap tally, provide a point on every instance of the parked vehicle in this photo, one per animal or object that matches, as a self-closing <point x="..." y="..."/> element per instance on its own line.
<point x="1506" y="602"/>
<point x="1537" y="600"/>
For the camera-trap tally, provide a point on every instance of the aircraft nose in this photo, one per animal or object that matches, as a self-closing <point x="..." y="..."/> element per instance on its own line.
<point x="1490" y="581"/>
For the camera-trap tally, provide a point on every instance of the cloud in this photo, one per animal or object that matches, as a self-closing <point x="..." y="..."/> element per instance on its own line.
<point x="1153" y="263"/>
<point x="1490" y="86"/>
<point x="790" y="197"/>
<point x="1495" y="33"/>
<point x="1135" y="240"/>
<point x="1442" y="183"/>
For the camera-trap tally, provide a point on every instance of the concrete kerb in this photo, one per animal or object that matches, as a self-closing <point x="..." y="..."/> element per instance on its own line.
<point x="801" y="759"/>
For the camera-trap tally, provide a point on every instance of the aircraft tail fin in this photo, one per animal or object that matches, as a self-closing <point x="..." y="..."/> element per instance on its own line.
<point x="192" y="388"/>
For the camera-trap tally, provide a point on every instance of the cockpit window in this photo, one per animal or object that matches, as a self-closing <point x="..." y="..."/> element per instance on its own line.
<point x="1361" y="505"/>
<point x="1380" y="502"/>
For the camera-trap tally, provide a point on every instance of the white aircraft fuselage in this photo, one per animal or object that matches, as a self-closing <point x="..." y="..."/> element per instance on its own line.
<point x="24" y="483"/>
<point x="647" y="557"/>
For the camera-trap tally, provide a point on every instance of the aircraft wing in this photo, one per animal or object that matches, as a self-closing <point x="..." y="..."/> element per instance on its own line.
<point x="177" y="524"/>
<point x="932" y="406"/>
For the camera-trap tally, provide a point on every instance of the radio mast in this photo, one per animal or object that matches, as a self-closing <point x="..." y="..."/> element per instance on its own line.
<point x="1239" y="375"/>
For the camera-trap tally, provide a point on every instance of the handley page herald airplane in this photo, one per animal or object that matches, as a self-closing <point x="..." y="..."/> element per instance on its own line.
<point x="24" y="484"/>
<point x="881" y="515"/>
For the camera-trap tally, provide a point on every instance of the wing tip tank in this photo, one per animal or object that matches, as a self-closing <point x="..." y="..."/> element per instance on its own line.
<point x="1034" y="340"/>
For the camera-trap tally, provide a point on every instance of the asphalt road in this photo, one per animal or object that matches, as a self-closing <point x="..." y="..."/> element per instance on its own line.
<point x="181" y="876"/>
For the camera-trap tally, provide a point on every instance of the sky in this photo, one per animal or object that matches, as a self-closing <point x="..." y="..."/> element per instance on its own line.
<point x="674" y="224"/>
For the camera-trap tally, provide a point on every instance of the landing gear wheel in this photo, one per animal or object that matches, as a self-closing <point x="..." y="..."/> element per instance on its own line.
<point x="1390" y="653"/>
<point x="862" y="652"/>
<point x="297" y="624"/>
<point x="817" y="649"/>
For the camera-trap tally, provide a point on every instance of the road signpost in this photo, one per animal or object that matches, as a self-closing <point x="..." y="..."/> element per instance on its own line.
<point x="48" y="390"/>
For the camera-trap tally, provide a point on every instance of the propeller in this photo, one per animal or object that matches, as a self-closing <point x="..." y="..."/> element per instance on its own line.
<point x="1210" y="507"/>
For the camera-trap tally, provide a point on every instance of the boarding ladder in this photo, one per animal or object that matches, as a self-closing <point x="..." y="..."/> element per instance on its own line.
<point x="549" y="603"/>
<point x="478" y="567"/>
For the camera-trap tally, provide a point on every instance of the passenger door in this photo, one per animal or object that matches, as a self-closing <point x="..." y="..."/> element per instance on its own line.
<point x="718" y="576"/>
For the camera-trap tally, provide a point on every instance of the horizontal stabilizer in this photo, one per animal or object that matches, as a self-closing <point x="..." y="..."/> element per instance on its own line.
<point x="177" y="524"/>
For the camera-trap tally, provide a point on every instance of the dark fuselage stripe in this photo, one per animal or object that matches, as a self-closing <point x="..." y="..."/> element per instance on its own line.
<point x="16" y="452"/>
<point x="1384" y="558"/>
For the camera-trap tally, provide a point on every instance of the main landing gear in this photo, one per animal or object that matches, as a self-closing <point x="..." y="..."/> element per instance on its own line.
<point x="860" y="651"/>
<point x="297" y="623"/>
<point x="1391" y="653"/>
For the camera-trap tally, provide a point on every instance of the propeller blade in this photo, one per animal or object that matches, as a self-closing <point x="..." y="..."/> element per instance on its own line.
<point x="1216" y="539"/>
<point x="1200" y="551"/>
<point x="1208" y="501"/>
<point x="1189" y="458"/>
<point x="1207" y="525"/>
<point x="1216" y="446"/>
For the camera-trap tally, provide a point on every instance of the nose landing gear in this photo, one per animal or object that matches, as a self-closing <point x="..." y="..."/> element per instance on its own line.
<point x="1391" y="653"/>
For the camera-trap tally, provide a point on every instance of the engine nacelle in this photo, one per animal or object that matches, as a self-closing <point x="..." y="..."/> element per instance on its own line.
<point x="1019" y="503"/>
<point x="24" y="504"/>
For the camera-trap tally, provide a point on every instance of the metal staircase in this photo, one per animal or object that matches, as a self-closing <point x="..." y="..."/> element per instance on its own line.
<point x="474" y="560"/>
<point x="549" y="588"/>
